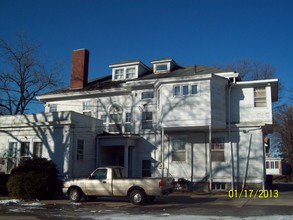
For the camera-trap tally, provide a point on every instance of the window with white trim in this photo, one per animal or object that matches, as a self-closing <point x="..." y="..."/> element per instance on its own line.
<point x="185" y="90"/>
<point x="147" y="95"/>
<point x="127" y="125"/>
<point x="218" y="149"/>
<point x="24" y="149"/>
<point x="147" y="120"/>
<point x="260" y="97"/>
<point x="53" y="107"/>
<point x="178" y="145"/>
<point x="123" y="73"/>
<point x="38" y="149"/>
<point x="130" y="73"/>
<point x="162" y="67"/>
<point x="12" y="149"/>
<point x="87" y="108"/>
<point x="115" y="119"/>
<point x="118" y="74"/>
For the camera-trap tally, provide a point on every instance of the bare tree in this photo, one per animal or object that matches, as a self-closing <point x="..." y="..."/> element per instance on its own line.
<point x="252" y="70"/>
<point x="22" y="76"/>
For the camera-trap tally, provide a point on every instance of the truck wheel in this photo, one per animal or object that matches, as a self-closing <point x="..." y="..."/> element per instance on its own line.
<point x="75" y="194"/>
<point x="137" y="197"/>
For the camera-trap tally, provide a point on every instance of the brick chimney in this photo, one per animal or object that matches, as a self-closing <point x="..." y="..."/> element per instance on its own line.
<point x="79" y="69"/>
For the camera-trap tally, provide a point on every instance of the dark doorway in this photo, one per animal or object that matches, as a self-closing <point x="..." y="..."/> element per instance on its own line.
<point x="112" y="156"/>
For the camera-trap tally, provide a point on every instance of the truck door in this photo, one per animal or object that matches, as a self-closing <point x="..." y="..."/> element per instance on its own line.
<point x="99" y="183"/>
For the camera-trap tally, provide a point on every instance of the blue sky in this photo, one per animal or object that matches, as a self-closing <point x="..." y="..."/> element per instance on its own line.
<point x="210" y="32"/>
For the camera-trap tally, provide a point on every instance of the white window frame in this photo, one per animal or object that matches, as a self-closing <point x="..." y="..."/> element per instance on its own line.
<point x="260" y="100"/>
<point x="184" y="138"/>
<point x="145" y="95"/>
<point x="145" y="121"/>
<point x="87" y="107"/>
<point x="168" y="64"/>
<point x="37" y="149"/>
<point x="128" y="120"/>
<point x="123" y="73"/>
<point x="52" y="107"/>
<point x="218" y="146"/>
<point x="181" y="90"/>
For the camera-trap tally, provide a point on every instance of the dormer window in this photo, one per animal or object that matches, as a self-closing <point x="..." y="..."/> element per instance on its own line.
<point x="128" y="70"/>
<point x="164" y="65"/>
<point x="124" y="73"/>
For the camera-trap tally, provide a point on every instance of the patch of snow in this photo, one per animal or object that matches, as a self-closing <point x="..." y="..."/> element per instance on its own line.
<point x="9" y="201"/>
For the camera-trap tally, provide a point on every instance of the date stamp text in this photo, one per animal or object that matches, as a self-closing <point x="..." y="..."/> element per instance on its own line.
<point x="254" y="193"/>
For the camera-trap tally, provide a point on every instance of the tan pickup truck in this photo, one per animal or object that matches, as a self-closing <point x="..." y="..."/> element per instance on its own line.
<point x="110" y="181"/>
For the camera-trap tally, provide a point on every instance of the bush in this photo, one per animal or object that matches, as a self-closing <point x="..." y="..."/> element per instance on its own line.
<point x="3" y="181"/>
<point x="33" y="179"/>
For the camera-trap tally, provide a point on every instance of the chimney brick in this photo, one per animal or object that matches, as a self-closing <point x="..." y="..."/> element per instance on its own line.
<point x="79" y="69"/>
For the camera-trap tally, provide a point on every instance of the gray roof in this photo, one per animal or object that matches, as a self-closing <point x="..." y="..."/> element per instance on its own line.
<point x="106" y="82"/>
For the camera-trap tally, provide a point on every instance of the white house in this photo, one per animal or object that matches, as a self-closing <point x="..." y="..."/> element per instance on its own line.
<point x="59" y="136"/>
<point x="197" y="122"/>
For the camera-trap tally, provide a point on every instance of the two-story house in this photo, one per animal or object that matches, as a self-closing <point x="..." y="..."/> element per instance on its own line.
<point x="197" y="122"/>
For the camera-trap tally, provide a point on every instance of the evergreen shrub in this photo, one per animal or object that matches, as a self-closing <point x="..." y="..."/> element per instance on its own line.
<point x="33" y="179"/>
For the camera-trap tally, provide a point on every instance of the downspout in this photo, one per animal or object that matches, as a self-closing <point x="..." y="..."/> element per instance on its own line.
<point x="229" y="132"/>
<point x="162" y="153"/>
<point x="210" y="159"/>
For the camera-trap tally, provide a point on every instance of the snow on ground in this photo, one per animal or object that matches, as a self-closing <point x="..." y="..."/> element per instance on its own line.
<point x="9" y="201"/>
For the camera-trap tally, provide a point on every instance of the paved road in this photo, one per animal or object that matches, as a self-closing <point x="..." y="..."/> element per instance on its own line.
<point x="184" y="206"/>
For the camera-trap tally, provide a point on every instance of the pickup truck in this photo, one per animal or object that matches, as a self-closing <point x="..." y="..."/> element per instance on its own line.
<point x="110" y="181"/>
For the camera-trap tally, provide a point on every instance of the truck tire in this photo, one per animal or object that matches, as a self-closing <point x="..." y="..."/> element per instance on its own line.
<point x="75" y="194"/>
<point x="137" y="197"/>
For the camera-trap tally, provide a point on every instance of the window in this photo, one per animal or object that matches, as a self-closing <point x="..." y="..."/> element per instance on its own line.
<point x="218" y="149"/>
<point x="260" y="97"/>
<point x="277" y="164"/>
<point x="272" y="165"/>
<point x="147" y="120"/>
<point x="87" y="108"/>
<point x="127" y="125"/>
<point x="193" y="89"/>
<point x="267" y="165"/>
<point x="24" y="149"/>
<point x="80" y="150"/>
<point x="185" y="90"/>
<point x="178" y="149"/>
<point x="115" y="123"/>
<point x="219" y="186"/>
<point x="100" y="174"/>
<point x="146" y="168"/>
<point x="37" y="151"/>
<point x="130" y="73"/>
<point x="147" y="95"/>
<point x="53" y="107"/>
<point x="119" y="74"/>
<point x="176" y="91"/>
<point x="124" y="73"/>
<point x="162" y="67"/>
<point x="12" y="149"/>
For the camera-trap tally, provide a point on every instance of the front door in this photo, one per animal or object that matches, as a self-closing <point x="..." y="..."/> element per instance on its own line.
<point x="99" y="184"/>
